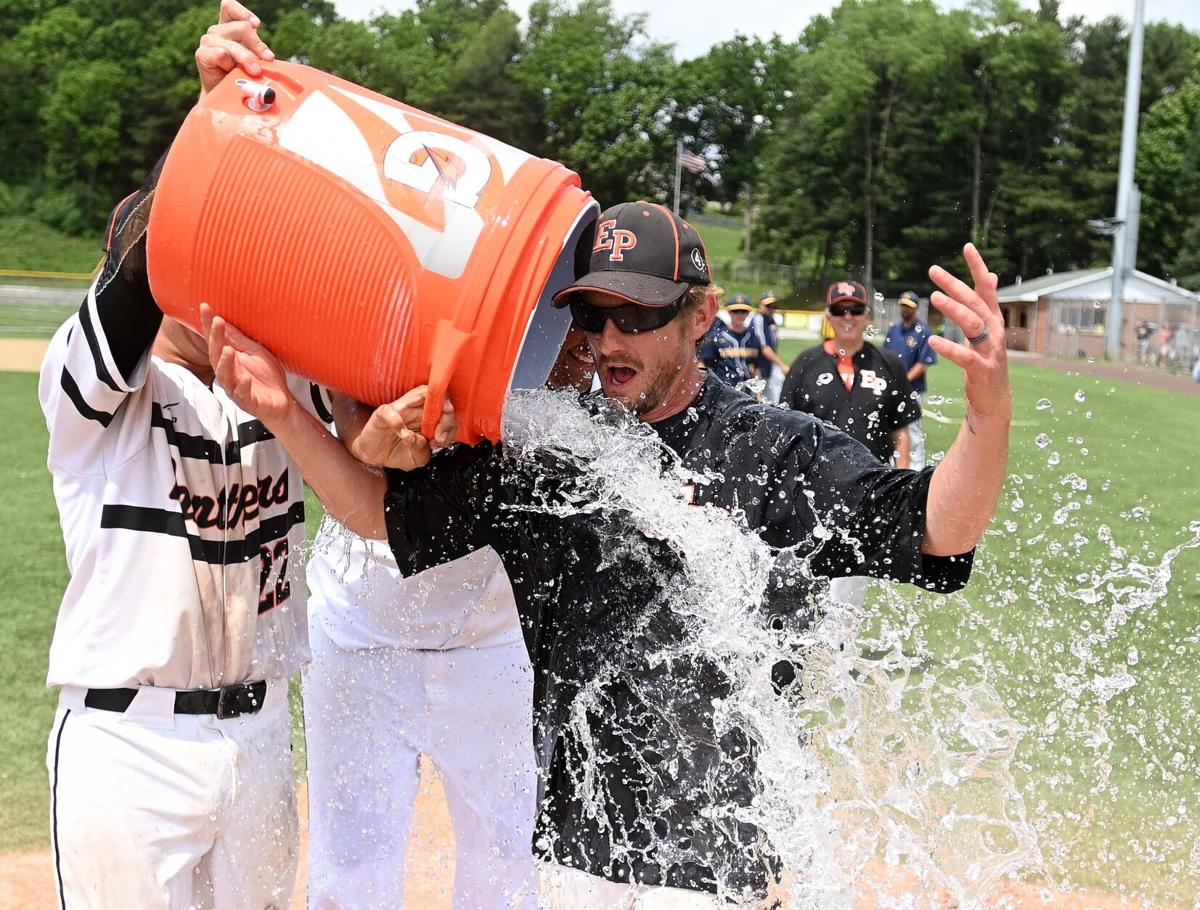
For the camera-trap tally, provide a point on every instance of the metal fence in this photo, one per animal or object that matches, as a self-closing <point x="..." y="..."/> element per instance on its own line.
<point x="1164" y="334"/>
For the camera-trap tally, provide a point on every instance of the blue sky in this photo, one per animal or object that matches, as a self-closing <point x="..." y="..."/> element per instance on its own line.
<point x="694" y="25"/>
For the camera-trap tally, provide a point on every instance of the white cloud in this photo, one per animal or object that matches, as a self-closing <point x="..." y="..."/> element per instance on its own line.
<point x="694" y="25"/>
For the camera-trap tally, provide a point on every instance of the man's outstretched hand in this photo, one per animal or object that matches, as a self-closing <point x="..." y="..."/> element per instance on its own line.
<point x="984" y="363"/>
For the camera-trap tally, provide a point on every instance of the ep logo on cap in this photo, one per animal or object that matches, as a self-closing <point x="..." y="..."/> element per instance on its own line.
<point x="644" y="253"/>
<point x="610" y="237"/>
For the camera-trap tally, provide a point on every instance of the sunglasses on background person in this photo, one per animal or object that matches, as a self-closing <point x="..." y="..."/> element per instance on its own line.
<point x="838" y="309"/>
<point x="630" y="318"/>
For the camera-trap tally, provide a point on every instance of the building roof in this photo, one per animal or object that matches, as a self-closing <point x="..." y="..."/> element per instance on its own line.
<point x="1096" y="284"/>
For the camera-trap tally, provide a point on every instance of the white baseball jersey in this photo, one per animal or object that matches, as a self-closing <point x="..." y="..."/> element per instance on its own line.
<point x="362" y="601"/>
<point x="183" y="521"/>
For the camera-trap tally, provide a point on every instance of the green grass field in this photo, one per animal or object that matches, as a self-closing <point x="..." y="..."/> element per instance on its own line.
<point x="1113" y="780"/>
<point x="26" y="244"/>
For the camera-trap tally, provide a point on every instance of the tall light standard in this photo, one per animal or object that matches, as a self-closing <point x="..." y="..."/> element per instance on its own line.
<point x="1125" y="235"/>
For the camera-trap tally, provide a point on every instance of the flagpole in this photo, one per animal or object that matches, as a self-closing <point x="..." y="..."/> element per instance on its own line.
<point x="678" y="159"/>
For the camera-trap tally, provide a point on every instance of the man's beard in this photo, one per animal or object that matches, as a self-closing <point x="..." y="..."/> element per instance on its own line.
<point x="656" y="384"/>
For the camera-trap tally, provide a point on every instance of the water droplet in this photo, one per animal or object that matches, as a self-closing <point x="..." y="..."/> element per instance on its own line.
<point x="1053" y="459"/>
<point x="1043" y="404"/>
<point x="1079" y="396"/>
<point x="1042" y="440"/>
<point x="871" y="330"/>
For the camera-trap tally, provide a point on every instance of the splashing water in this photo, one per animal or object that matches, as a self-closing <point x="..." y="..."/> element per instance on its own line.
<point x="925" y="764"/>
<point x="886" y="764"/>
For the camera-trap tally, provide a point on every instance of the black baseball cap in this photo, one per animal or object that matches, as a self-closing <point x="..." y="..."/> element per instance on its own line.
<point x="643" y="253"/>
<point x="910" y="299"/>
<point x="846" y="292"/>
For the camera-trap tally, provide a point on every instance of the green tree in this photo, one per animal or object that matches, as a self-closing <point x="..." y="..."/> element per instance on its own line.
<point x="601" y="91"/>
<point x="727" y="103"/>
<point x="82" y="120"/>
<point x="1168" y="174"/>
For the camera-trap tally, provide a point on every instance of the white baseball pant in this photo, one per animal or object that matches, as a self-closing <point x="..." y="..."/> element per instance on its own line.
<point x="774" y="386"/>
<point x="152" y="809"/>
<point x="369" y="716"/>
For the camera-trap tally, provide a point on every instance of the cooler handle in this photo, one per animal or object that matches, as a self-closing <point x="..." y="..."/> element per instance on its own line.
<point x="448" y="345"/>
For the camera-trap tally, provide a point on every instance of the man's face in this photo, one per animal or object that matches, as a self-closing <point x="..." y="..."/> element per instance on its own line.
<point x="847" y="327"/>
<point x="737" y="320"/>
<point x="908" y="314"/>
<point x="641" y="370"/>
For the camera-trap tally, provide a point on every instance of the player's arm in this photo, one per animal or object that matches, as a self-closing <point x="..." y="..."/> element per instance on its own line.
<point x="771" y="355"/>
<point x="916" y="371"/>
<point x="98" y="357"/>
<point x="967" y="483"/>
<point x="901" y="447"/>
<point x="350" y="490"/>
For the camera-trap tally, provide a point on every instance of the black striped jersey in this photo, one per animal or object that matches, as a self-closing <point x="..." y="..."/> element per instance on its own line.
<point x="183" y="517"/>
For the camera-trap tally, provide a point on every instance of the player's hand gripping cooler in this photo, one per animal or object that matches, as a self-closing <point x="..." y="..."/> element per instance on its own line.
<point x="370" y="246"/>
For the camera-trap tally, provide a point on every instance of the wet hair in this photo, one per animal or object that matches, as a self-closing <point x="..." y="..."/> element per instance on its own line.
<point x="696" y="295"/>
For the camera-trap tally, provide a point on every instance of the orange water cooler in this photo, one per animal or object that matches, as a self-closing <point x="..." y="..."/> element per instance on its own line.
<point x="371" y="246"/>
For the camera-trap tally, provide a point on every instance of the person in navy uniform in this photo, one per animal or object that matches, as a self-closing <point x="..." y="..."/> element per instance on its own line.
<point x="771" y="366"/>
<point x="908" y="339"/>
<point x="748" y="343"/>
<point x="716" y="353"/>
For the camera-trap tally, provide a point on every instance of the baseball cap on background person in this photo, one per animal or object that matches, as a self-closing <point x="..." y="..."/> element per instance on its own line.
<point x="768" y="298"/>
<point x="643" y="253"/>
<point x="910" y="299"/>
<point x="846" y="292"/>
<point x="739" y="303"/>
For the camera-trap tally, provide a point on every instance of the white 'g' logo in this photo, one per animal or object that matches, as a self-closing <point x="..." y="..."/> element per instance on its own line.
<point x="323" y="132"/>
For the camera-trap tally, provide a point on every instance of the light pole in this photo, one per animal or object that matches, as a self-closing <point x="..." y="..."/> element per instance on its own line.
<point x="1125" y="236"/>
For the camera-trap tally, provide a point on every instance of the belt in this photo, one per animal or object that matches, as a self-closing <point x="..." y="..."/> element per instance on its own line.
<point x="226" y="702"/>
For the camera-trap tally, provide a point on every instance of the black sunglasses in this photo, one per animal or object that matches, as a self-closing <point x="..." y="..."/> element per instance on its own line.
<point x="630" y="318"/>
<point x="856" y="309"/>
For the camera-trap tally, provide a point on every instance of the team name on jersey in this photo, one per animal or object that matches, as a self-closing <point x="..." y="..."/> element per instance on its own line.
<point x="242" y="502"/>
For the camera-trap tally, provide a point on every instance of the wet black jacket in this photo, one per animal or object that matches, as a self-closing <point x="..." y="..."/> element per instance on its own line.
<point x="626" y="745"/>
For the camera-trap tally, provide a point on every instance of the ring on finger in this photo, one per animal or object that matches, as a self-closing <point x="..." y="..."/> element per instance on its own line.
<point x="981" y="337"/>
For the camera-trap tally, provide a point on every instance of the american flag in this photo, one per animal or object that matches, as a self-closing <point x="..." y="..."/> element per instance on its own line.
<point x="691" y="161"/>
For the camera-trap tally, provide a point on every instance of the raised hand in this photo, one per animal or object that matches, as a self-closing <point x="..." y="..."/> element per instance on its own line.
<point x="249" y="373"/>
<point x="391" y="435"/>
<point x="983" y="357"/>
<point x="233" y="41"/>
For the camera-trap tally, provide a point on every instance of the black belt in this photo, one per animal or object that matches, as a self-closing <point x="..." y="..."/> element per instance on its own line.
<point x="229" y="701"/>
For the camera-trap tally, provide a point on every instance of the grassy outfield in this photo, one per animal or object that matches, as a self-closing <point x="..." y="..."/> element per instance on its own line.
<point x="1102" y="483"/>
<point x="34" y="320"/>
<point x="28" y="245"/>
<point x="1108" y="773"/>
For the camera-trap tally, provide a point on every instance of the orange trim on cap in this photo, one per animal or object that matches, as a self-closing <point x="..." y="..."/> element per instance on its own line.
<point x="674" y="230"/>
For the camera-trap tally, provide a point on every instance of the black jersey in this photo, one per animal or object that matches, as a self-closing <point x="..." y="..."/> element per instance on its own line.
<point x="593" y="615"/>
<point x="880" y="401"/>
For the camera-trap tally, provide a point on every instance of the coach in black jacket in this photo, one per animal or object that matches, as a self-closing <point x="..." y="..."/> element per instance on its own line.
<point x="859" y="388"/>
<point x="591" y="588"/>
